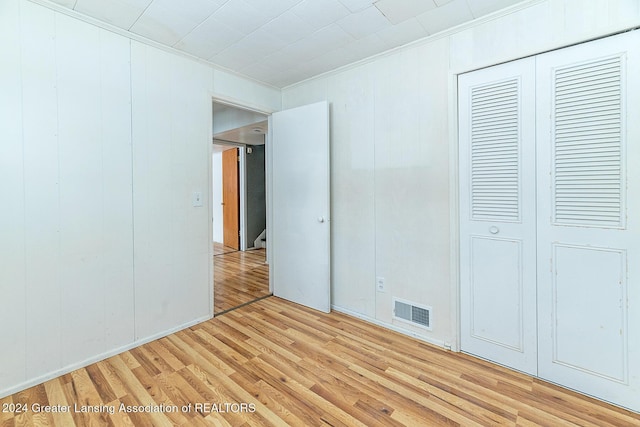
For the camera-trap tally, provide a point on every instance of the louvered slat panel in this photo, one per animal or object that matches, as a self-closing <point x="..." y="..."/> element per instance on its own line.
<point x="587" y="127"/>
<point x="495" y="152"/>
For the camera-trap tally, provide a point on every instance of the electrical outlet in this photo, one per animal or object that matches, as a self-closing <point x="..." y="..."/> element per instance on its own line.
<point x="380" y="286"/>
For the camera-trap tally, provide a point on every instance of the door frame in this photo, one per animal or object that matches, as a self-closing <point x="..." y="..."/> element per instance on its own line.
<point x="267" y="112"/>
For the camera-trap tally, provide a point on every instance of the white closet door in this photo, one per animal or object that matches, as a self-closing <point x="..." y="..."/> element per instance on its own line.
<point x="589" y="218"/>
<point x="497" y="214"/>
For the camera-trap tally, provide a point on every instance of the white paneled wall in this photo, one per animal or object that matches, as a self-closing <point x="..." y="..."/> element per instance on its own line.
<point x="544" y="26"/>
<point x="95" y="186"/>
<point x="250" y="94"/>
<point x="411" y="198"/>
<point x="104" y="140"/>
<point x="392" y="147"/>
<point x="171" y="117"/>
<point x="352" y="189"/>
<point x="12" y="209"/>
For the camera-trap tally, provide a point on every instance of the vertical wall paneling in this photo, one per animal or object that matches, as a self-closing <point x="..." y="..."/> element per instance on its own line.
<point x="539" y="28"/>
<point x="171" y="117"/>
<point x="12" y="227"/>
<point x="81" y="188"/>
<point x="251" y="94"/>
<point x="117" y="221"/>
<point x="41" y="183"/>
<point x="192" y="112"/>
<point x="70" y="129"/>
<point x="422" y="196"/>
<point x="151" y="189"/>
<point x="352" y="190"/>
<point x="411" y="190"/>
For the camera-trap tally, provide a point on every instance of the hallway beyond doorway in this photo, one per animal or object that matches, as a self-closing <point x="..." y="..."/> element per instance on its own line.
<point x="240" y="277"/>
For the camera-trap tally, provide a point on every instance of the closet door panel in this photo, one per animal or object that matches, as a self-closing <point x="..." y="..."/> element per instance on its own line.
<point x="497" y="214"/>
<point x="589" y="218"/>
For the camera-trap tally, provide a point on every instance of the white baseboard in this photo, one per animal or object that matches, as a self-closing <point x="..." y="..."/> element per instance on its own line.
<point x="72" y="367"/>
<point x="438" y="343"/>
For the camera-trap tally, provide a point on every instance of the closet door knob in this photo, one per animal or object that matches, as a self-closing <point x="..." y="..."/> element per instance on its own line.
<point x="494" y="230"/>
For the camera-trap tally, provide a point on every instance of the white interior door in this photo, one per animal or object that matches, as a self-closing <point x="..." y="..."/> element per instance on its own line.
<point x="300" y="232"/>
<point x="589" y="218"/>
<point x="497" y="214"/>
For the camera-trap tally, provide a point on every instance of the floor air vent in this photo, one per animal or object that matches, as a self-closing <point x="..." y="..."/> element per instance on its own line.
<point x="410" y="312"/>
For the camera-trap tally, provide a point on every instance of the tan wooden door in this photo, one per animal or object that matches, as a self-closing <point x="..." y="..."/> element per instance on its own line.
<point x="230" y="199"/>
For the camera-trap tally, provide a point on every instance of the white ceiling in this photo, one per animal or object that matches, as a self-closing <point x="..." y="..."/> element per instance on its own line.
<point x="281" y="42"/>
<point x="252" y="134"/>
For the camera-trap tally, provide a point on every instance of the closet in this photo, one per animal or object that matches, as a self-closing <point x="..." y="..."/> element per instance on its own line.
<point x="549" y="160"/>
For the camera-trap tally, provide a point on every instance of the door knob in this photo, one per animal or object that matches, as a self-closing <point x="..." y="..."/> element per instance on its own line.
<point x="494" y="230"/>
<point x="320" y="219"/>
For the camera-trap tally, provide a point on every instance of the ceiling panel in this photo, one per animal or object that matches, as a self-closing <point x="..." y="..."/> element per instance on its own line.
<point x="121" y="13"/>
<point x="398" y="11"/>
<point x="252" y="134"/>
<point x="209" y="38"/>
<point x="192" y="10"/>
<point x="356" y="5"/>
<point x="261" y="71"/>
<point x="283" y="60"/>
<point x="319" y="13"/>
<point x="249" y="50"/>
<point x="163" y="25"/>
<point x="241" y="16"/>
<point x="451" y="14"/>
<point x="403" y="33"/>
<point x="271" y="8"/>
<point x="281" y="42"/>
<point x="288" y="27"/>
<point x="364" y="23"/>
<point x="365" y="47"/>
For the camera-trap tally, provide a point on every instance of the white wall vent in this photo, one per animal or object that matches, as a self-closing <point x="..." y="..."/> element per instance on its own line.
<point x="418" y="315"/>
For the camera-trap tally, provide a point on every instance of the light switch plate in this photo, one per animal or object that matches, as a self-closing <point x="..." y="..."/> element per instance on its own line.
<point x="196" y="199"/>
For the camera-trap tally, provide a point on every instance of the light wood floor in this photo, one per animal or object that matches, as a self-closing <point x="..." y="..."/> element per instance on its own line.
<point x="239" y="278"/>
<point x="219" y="249"/>
<point x="288" y="365"/>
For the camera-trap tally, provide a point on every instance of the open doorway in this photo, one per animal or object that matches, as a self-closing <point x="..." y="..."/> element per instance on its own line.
<point x="241" y="273"/>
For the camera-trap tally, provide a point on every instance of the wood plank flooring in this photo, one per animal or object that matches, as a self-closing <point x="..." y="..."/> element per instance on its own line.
<point x="219" y="249"/>
<point x="273" y="363"/>
<point x="239" y="278"/>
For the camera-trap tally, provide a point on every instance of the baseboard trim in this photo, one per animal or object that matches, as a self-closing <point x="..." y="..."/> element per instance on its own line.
<point x="412" y="334"/>
<point x="98" y="358"/>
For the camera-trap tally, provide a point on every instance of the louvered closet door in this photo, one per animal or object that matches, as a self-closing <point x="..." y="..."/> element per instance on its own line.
<point x="497" y="214"/>
<point x="589" y="218"/>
